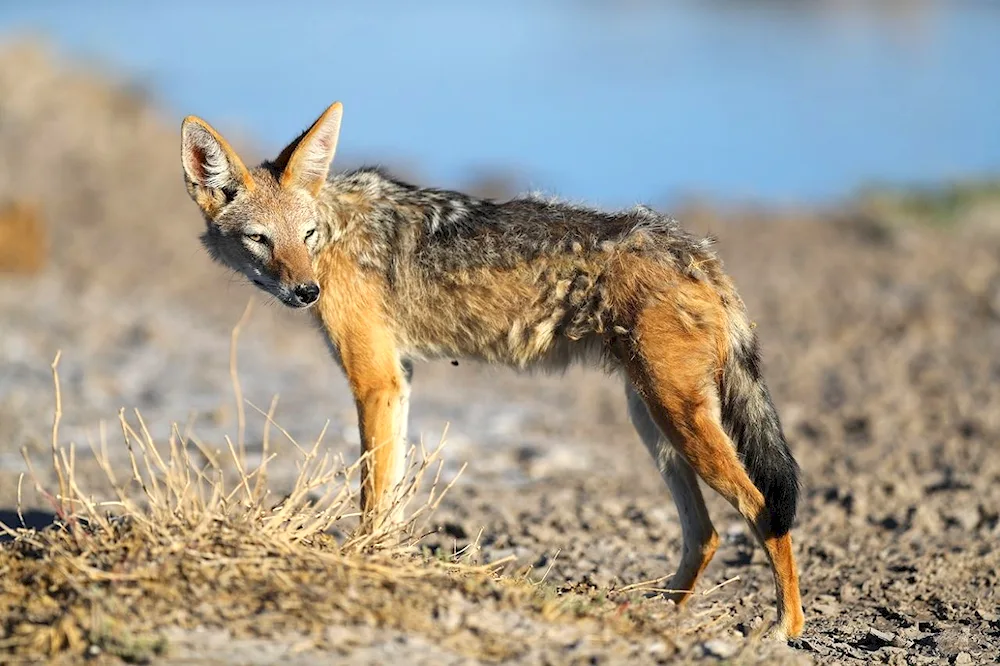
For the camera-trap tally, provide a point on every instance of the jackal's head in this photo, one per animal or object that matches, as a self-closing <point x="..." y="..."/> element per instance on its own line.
<point x="263" y="222"/>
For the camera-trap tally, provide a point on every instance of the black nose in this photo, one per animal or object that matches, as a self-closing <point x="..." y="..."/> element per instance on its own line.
<point x="307" y="293"/>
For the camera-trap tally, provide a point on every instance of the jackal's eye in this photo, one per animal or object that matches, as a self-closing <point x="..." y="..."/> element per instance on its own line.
<point x="310" y="234"/>
<point x="256" y="238"/>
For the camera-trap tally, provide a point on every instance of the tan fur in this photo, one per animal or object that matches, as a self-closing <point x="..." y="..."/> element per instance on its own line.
<point x="791" y="619"/>
<point x="408" y="273"/>
<point x="291" y="263"/>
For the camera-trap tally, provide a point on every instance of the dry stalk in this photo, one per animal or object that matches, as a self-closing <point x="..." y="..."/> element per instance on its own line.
<point x="180" y="543"/>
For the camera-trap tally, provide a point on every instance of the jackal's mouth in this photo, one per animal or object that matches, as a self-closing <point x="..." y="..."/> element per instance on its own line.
<point x="286" y="296"/>
<point x="294" y="303"/>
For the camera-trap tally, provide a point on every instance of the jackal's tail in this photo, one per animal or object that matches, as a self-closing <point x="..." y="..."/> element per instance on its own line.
<point x="749" y="416"/>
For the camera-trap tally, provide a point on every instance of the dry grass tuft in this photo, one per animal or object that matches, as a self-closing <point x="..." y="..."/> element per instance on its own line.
<point x="178" y="544"/>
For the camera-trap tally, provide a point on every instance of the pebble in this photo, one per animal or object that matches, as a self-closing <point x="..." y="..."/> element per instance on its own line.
<point x="966" y="516"/>
<point x="876" y="637"/>
<point x="719" y="649"/>
<point x="826" y="609"/>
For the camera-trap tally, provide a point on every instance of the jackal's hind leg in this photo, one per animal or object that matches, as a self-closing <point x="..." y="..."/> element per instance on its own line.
<point x="703" y="442"/>
<point x="700" y="538"/>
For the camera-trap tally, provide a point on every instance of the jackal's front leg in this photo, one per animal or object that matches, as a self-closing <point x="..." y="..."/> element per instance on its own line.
<point x="383" y="409"/>
<point x="379" y="418"/>
<point x="364" y="344"/>
<point x="380" y="385"/>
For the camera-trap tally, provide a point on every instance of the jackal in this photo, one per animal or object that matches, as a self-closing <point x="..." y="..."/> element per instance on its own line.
<point x="396" y="273"/>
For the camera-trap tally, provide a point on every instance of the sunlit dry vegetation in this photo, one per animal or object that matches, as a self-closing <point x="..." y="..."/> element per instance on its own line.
<point x="183" y="542"/>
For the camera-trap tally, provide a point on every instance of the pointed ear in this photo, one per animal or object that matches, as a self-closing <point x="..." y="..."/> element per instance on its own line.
<point x="212" y="170"/>
<point x="305" y="162"/>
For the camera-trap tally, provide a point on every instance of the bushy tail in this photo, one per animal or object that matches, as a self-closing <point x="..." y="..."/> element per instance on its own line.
<point x="750" y="419"/>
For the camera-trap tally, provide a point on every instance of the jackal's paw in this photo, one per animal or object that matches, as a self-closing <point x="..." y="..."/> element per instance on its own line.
<point x="789" y="627"/>
<point x="678" y="598"/>
<point x="776" y="633"/>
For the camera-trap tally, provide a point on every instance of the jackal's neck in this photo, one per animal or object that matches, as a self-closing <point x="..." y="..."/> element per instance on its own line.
<point x="368" y="202"/>
<point x="359" y="212"/>
<point x="346" y="202"/>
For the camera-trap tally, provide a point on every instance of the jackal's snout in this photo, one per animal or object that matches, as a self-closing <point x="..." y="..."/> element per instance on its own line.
<point x="306" y="293"/>
<point x="290" y="268"/>
<point x="294" y="294"/>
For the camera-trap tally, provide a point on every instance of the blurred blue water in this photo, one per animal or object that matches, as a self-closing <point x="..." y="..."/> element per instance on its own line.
<point x="611" y="103"/>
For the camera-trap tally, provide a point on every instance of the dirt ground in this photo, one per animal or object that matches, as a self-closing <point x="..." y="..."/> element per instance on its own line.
<point x="882" y="349"/>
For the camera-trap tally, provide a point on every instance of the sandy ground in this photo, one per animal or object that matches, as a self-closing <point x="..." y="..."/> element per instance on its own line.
<point x="881" y="348"/>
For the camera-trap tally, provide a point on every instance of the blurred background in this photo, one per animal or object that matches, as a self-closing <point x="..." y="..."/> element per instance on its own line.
<point x="608" y="102"/>
<point x="846" y="155"/>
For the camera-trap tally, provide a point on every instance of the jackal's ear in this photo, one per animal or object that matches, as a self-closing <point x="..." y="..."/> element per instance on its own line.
<point x="212" y="169"/>
<point x="305" y="162"/>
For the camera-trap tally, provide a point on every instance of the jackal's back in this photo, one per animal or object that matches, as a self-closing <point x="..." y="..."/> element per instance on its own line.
<point x="516" y="281"/>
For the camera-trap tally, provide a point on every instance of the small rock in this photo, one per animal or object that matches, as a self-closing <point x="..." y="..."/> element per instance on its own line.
<point x="880" y="637"/>
<point x="962" y="658"/>
<point x="920" y="659"/>
<point x="893" y="656"/>
<point x="811" y="646"/>
<point x="850" y="651"/>
<point x="901" y="642"/>
<point x="719" y="649"/>
<point x="989" y="616"/>
<point x="912" y="634"/>
<point x="826" y="609"/>
<point x="848" y="593"/>
<point x="967" y="517"/>
<point x="883" y="636"/>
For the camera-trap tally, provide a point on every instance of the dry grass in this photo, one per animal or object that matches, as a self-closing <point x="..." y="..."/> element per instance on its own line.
<point x="180" y="544"/>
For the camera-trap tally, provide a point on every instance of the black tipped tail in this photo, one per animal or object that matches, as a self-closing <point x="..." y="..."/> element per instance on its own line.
<point x="752" y="422"/>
